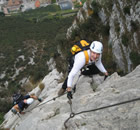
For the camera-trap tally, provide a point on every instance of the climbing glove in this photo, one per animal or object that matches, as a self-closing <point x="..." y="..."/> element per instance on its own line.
<point x="69" y="95"/>
<point x="105" y="77"/>
<point x="39" y="99"/>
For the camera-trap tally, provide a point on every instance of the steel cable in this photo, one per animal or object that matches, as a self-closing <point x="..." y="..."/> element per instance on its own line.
<point x="100" y="108"/>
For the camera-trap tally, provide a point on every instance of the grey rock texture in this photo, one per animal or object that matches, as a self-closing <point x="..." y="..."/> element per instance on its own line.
<point x="51" y="115"/>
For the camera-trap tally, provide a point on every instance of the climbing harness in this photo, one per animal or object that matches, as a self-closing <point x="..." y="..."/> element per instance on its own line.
<point x="72" y="114"/>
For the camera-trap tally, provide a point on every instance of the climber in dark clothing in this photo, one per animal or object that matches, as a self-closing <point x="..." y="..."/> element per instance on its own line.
<point x="24" y="103"/>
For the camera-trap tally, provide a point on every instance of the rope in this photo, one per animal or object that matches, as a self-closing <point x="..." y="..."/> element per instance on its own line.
<point x="70" y="102"/>
<point x="71" y="114"/>
<point x="100" y="108"/>
<point x="53" y="99"/>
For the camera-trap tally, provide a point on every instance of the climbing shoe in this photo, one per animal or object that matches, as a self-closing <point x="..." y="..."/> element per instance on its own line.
<point x="14" y="111"/>
<point x="22" y="113"/>
<point x="39" y="99"/>
<point x="61" y="92"/>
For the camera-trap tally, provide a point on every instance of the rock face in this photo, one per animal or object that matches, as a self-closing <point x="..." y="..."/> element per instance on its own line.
<point x="123" y="18"/>
<point x="51" y="114"/>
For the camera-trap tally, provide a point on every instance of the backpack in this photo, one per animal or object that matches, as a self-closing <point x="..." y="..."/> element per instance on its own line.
<point x="17" y="98"/>
<point x="82" y="45"/>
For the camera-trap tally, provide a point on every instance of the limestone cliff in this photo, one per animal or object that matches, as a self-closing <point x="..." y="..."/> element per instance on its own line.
<point x="123" y="19"/>
<point x="51" y="114"/>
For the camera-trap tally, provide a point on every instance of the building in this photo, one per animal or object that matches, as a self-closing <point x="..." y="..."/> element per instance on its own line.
<point x="64" y="5"/>
<point x="2" y="2"/>
<point x="11" y="6"/>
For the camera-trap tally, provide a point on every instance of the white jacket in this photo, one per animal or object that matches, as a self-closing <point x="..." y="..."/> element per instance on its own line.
<point x="79" y="62"/>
